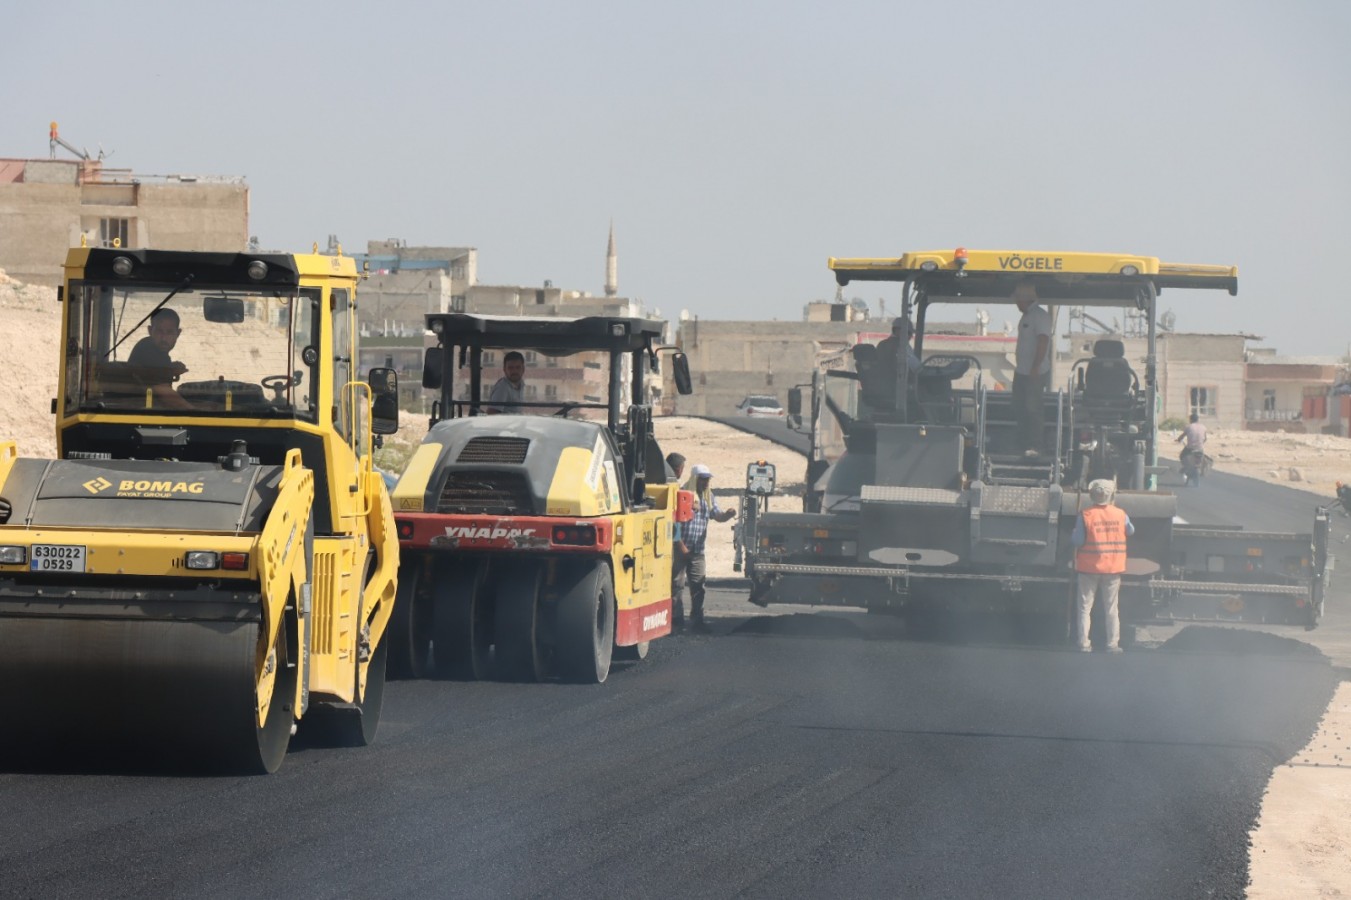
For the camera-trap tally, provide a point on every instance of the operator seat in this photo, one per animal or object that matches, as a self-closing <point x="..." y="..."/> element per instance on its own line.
<point x="1108" y="374"/>
<point x="1109" y="383"/>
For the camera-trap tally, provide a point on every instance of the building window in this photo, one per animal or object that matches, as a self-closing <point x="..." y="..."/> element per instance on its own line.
<point x="457" y="272"/>
<point x="457" y="303"/>
<point x="551" y="362"/>
<point x="114" y="232"/>
<point x="1201" y="401"/>
<point x="530" y="357"/>
<point x="489" y="358"/>
<point x="530" y="392"/>
<point x="1268" y="399"/>
<point x="550" y="391"/>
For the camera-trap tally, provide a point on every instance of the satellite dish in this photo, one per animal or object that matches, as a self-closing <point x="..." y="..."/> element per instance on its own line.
<point x="684" y="315"/>
<point x="1168" y="320"/>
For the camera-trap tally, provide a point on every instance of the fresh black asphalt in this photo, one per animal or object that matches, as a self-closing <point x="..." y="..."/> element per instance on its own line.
<point x="821" y="754"/>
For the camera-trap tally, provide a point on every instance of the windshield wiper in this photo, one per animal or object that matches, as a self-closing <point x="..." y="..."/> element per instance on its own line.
<point x="137" y="327"/>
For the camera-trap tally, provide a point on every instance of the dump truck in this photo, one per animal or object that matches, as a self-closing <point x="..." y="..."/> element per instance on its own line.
<point x="923" y="499"/>
<point x="535" y="534"/>
<point x="210" y="559"/>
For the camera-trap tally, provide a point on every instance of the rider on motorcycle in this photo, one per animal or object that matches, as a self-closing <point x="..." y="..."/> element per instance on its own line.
<point x="1193" y="453"/>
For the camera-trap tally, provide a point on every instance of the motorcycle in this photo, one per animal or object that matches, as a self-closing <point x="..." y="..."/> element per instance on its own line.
<point x="1195" y="464"/>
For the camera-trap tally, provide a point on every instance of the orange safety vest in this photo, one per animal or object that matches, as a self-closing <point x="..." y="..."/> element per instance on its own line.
<point x="1104" y="549"/>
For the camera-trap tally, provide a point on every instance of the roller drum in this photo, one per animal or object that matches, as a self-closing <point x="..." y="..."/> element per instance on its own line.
<point x="176" y="694"/>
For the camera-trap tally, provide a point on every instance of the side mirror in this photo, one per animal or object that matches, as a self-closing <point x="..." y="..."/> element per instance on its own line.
<point x="431" y="368"/>
<point x="226" y="310"/>
<point x="795" y="401"/>
<point x="384" y="400"/>
<point x="680" y="370"/>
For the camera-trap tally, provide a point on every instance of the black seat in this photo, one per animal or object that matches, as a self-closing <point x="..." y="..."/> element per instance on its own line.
<point x="1109" y="386"/>
<point x="119" y="383"/>
<point x="1108" y="374"/>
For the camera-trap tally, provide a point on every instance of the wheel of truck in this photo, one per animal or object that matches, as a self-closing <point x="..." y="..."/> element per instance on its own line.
<point x="274" y="693"/>
<point x="409" y="635"/>
<point x="519" y="654"/>
<point x="586" y="626"/>
<point x="633" y="653"/>
<point x="462" y="622"/>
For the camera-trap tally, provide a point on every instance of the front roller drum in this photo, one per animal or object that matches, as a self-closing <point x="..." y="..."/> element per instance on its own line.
<point x="150" y="693"/>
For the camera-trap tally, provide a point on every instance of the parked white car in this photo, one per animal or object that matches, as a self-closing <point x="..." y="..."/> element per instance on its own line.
<point x="761" y="406"/>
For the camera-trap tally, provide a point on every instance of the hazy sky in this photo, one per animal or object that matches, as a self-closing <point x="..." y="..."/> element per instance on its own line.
<point x="738" y="145"/>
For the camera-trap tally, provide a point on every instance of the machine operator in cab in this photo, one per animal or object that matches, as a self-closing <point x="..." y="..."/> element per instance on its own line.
<point x="150" y="357"/>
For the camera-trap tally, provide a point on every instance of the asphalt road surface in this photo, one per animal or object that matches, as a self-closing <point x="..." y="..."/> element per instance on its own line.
<point x="790" y="754"/>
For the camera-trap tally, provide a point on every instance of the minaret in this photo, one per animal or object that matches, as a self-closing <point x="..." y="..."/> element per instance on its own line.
<point x="611" y="265"/>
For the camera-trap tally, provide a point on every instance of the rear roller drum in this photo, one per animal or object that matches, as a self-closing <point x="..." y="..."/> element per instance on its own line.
<point x="353" y="724"/>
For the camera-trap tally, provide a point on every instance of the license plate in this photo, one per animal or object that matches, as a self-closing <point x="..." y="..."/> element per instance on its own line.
<point x="56" y="558"/>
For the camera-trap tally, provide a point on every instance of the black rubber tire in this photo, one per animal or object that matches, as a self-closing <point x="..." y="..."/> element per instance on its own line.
<point x="462" y="621"/>
<point x="411" y="625"/>
<point x="519" y="654"/>
<point x="634" y="653"/>
<point x="585" y="626"/>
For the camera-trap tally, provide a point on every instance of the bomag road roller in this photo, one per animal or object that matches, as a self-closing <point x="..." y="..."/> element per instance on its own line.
<point x="211" y="556"/>
<point x="535" y="535"/>
<point x="926" y="496"/>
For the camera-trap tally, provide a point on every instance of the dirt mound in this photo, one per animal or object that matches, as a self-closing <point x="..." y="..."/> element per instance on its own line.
<point x="30" y="340"/>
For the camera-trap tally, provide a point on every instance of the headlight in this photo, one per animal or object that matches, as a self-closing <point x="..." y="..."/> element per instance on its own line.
<point x="257" y="270"/>
<point x="202" y="559"/>
<point x="13" y="556"/>
<point x="122" y="266"/>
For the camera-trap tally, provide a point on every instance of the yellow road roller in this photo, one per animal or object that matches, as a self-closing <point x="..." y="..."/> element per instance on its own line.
<point x="211" y="557"/>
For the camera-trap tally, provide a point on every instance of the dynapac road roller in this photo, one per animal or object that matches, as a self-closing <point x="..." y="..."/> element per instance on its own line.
<point x="211" y="556"/>
<point x="536" y="535"/>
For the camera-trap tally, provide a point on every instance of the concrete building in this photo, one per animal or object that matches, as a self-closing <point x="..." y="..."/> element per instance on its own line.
<point x="1290" y="393"/>
<point x="405" y="283"/>
<point x="48" y="206"/>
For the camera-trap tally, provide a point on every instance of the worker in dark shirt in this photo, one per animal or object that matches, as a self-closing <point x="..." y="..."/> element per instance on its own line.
<point x="150" y="358"/>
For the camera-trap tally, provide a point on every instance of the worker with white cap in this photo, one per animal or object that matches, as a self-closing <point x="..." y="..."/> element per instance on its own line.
<point x="1100" y="558"/>
<point x="689" y="556"/>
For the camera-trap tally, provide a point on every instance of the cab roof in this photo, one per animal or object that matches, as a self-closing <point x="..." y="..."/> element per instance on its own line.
<point x="991" y="275"/>
<point x="546" y="333"/>
<point x="171" y="267"/>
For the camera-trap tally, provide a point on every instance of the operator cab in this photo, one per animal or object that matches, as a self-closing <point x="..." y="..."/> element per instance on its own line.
<point x="593" y="365"/>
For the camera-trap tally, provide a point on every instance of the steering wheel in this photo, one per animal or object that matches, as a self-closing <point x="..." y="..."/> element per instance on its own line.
<point x="278" y="385"/>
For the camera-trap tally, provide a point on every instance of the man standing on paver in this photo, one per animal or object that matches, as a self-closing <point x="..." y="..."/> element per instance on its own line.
<point x="1032" y="367"/>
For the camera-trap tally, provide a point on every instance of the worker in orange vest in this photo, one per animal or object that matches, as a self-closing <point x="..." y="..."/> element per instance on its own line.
<point x="1099" y="559"/>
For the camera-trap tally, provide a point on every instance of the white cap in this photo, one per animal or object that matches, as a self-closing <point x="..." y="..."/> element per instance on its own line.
<point x="1101" y="490"/>
<point x="701" y="471"/>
